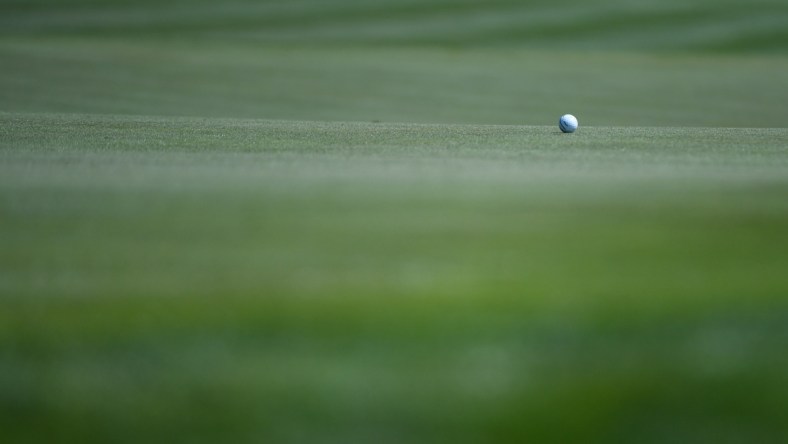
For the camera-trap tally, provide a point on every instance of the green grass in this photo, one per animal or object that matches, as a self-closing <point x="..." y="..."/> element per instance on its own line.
<point x="356" y="221"/>
<point x="610" y="24"/>
<point x="437" y="85"/>
<point x="277" y="280"/>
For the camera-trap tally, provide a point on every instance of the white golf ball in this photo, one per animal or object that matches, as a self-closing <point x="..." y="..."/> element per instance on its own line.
<point x="567" y="123"/>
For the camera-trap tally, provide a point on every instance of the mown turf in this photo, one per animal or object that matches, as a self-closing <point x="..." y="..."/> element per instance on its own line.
<point x="415" y="253"/>
<point x="438" y="85"/>
<point x="613" y="63"/>
<point x="252" y="280"/>
<point x="612" y="24"/>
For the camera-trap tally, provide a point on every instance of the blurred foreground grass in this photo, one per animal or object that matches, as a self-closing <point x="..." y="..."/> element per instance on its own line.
<point x="212" y="279"/>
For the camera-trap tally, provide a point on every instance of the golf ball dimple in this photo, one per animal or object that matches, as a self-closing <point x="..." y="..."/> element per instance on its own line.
<point x="567" y="123"/>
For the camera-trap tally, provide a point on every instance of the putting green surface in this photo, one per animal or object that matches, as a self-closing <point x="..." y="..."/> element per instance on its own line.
<point x="356" y="221"/>
<point x="318" y="281"/>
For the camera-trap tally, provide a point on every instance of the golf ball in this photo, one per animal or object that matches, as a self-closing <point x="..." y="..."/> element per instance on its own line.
<point x="567" y="123"/>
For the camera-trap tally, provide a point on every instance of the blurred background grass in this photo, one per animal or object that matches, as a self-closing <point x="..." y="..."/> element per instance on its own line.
<point x="724" y="25"/>
<point x="697" y="63"/>
<point x="173" y="268"/>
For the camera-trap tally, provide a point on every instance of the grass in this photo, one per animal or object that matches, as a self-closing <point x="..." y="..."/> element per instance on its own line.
<point x="317" y="281"/>
<point x="436" y="85"/>
<point x="353" y="221"/>
<point x="703" y="25"/>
